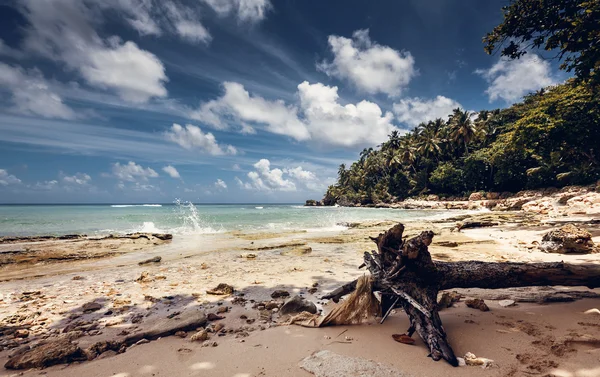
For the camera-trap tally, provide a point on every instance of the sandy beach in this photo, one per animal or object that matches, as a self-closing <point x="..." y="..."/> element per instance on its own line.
<point x="111" y="297"/>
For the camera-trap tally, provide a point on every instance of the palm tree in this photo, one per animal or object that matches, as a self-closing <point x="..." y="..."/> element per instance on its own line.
<point x="462" y="129"/>
<point x="429" y="143"/>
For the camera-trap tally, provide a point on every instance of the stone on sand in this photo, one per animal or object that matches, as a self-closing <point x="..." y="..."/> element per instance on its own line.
<point x="221" y="290"/>
<point x="477" y="303"/>
<point x="161" y="327"/>
<point x="53" y="352"/>
<point x="280" y="293"/>
<point x="568" y="239"/>
<point x="506" y="303"/>
<point x="151" y="260"/>
<point x="298" y="304"/>
<point x="329" y="364"/>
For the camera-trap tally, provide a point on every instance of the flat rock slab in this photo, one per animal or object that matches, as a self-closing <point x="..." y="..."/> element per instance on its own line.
<point x="328" y="364"/>
<point x="189" y="320"/>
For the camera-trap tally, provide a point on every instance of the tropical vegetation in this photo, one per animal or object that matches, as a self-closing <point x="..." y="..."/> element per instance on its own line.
<point x="551" y="138"/>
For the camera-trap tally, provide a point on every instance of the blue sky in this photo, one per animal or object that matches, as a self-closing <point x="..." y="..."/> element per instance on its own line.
<point x="119" y="101"/>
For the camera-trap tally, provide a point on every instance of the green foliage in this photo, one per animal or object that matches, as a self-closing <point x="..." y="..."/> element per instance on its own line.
<point x="550" y="139"/>
<point x="569" y="26"/>
<point x="448" y="179"/>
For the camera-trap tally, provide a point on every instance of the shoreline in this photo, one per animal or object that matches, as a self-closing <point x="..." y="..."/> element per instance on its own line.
<point x="129" y="299"/>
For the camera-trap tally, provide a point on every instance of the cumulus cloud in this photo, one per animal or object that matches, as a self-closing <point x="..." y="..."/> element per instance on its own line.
<point x="171" y="171"/>
<point x="45" y="185"/>
<point x="220" y="184"/>
<point x="192" y="137"/>
<point x="132" y="172"/>
<point x="319" y="116"/>
<point x="237" y="104"/>
<point x="79" y="179"/>
<point x="371" y="67"/>
<point x="8" y="179"/>
<point x="510" y="80"/>
<point x="265" y="178"/>
<point x="31" y="94"/>
<point x="65" y="31"/>
<point x="245" y="10"/>
<point x="413" y="111"/>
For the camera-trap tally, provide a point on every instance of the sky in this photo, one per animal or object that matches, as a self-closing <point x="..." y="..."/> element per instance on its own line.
<point x="218" y="101"/>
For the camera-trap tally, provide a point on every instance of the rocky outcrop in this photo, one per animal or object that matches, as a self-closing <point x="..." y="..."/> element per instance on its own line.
<point x="568" y="239"/>
<point x="476" y="196"/>
<point x="298" y="304"/>
<point x="46" y="354"/>
<point x="314" y="203"/>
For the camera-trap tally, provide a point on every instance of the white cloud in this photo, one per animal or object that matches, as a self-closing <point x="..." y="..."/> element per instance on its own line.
<point x="8" y="179"/>
<point x="245" y="10"/>
<point x="79" y="179"/>
<point x="237" y="104"/>
<point x="132" y="172"/>
<point x="171" y="171"/>
<point x="192" y="137"/>
<point x="369" y="66"/>
<point x="319" y="116"/>
<point x="413" y="111"/>
<point x="185" y="22"/>
<point x="236" y="167"/>
<point x="510" y="80"/>
<point x="31" y="94"/>
<point x="46" y="185"/>
<point x="349" y="125"/>
<point x="220" y="184"/>
<point x="65" y="31"/>
<point x="265" y="178"/>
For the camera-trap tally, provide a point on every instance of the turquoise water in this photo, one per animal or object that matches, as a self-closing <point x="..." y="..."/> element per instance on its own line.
<point x="184" y="218"/>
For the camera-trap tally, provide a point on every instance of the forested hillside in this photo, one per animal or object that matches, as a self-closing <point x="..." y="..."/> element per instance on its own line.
<point x="551" y="139"/>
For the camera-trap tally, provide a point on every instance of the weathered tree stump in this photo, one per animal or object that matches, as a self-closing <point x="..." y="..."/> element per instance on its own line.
<point x="405" y="269"/>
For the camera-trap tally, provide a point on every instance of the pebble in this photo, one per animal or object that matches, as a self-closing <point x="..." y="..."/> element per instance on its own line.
<point x="506" y="303"/>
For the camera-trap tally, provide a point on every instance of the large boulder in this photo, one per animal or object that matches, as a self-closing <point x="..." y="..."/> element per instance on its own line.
<point x="60" y="351"/>
<point x="476" y="196"/>
<point x="297" y="304"/>
<point x="568" y="239"/>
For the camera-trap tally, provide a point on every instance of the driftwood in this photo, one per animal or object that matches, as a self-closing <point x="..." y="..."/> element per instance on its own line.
<point x="404" y="272"/>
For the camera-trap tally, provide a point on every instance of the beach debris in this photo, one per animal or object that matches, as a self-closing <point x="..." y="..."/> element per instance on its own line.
<point x="592" y="311"/>
<point x="297" y="304"/>
<point x="469" y="224"/>
<point x="403" y="338"/>
<point x="248" y="255"/>
<point x="472" y="360"/>
<point x="200" y="336"/>
<point x="151" y="260"/>
<point x="329" y="364"/>
<point x="221" y="290"/>
<point x="78" y="278"/>
<point x="448" y="299"/>
<point x="568" y="239"/>
<point x="280" y="293"/>
<point x="203" y="266"/>
<point x="506" y="303"/>
<point x="91" y="307"/>
<point x="144" y="278"/>
<point x="477" y="303"/>
<point x="58" y="351"/>
<point x="162" y="327"/>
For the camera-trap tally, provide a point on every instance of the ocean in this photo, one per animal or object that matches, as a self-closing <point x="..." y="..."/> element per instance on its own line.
<point x="185" y="218"/>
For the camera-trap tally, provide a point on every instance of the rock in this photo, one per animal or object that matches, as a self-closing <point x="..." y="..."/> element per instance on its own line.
<point x="214" y="317"/>
<point x="221" y="290"/>
<point x="329" y="364"/>
<point x="506" y="303"/>
<point x="477" y="303"/>
<point x="461" y="361"/>
<point x="248" y="255"/>
<point x="312" y="291"/>
<point x="151" y="260"/>
<point x="475" y="196"/>
<point x="163" y="236"/>
<point x="222" y="309"/>
<point x="298" y="304"/>
<point x="448" y="299"/>
<point x="78" y="277"/>
<point x="161" y="327"/>
<point x="144" y="278"/>
<point x="200" y="336"/>
<point x="446" y="244"/>
<point x="181" y="334"/>
<point x="492" y="196"/>
<point x="280" y="293"/>
<point x="21" y="333"/>
<point x="433" y="198"/>
<point x="60" y="351"/>
<point x="91" y="307"/>
<point x="475" y="224"/>
<point x="568" y="239"/>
